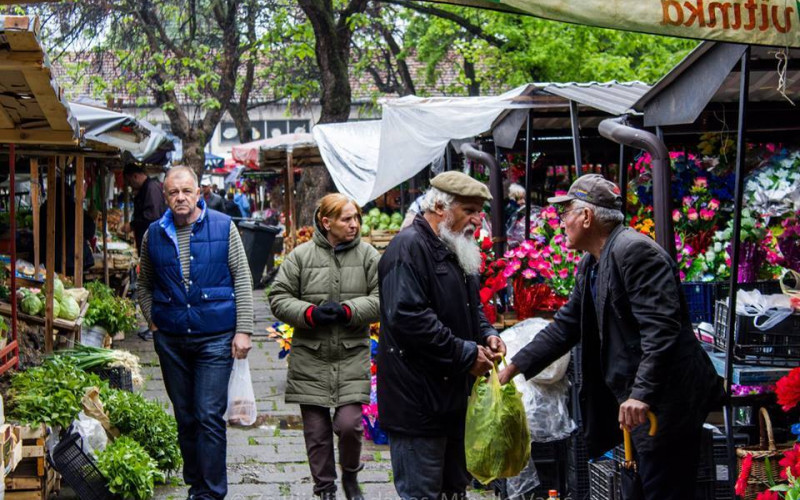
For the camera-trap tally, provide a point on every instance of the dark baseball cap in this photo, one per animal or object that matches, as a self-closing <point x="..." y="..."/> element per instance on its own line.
<point x="594" y="189"/>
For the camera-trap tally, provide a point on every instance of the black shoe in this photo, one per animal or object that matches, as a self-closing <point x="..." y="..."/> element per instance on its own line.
<point x="328" y="495"/>
<point x="146" y="335"/>
<point x="350" y="485"/>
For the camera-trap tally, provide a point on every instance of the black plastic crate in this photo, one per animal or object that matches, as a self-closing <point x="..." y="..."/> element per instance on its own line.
<point x="701" y="296"/>
<point x="780" y="345"/>
<point x="117" y="377"/>
<point x="78" y="469"/>
<point x="604" y="480"/>
<point x="578" y="467"/>
<point x="553" y="451"/>
<point x="722" y="485"/>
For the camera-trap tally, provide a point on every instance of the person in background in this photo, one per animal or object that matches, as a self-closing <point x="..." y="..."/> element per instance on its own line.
<point x="639" y="351"/>
<point x="516" y="201"/>
<point x="148" y="202"/>
<point x="231" y="208"/>
<point x="89" y="229"/>
<point x="435" y="338"/>
<point x="212" y="199"/>
<point x="243" y="200"/>
<point x="197" y="294"/>
<point x="327" y="289"/>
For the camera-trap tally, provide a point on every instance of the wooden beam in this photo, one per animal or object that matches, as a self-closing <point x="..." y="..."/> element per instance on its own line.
<point x="39" y="137"/>
<point x="103" y="173"/>
<point x="290" y="188"/>
<point x="36" y="212"/>
<point x="6" y="122"/>
<point x="8" y="62"/>
<point x="63" y="187"/>
<point x="51" y="255"/>
<point x="79" y="238"/>
<point x="48" y="97"/>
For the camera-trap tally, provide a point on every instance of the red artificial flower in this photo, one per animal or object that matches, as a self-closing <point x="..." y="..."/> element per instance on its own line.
<point x="486" y="243"/>
<point x="486" y="294"/>
<point x="791" y="460"/>
<point x="744" y="475"/>
<point x="788" y="389"/>
<point x="768" y="495"/>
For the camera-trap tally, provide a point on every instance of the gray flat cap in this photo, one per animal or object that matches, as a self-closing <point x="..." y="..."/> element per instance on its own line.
<point x="459" y="184"/>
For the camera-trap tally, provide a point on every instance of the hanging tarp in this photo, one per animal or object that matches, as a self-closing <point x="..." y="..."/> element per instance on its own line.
<point x="214" y="162"/>
<point x="366" y="159"/>
<point x="740" y="21"/>
<point x="135" y="139"/>
<point x="249" y="153"/>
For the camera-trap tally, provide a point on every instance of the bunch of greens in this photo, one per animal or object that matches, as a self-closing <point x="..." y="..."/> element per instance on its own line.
<point x="89" y="358"/>
<point x="113" y="313"/>
<point x="147" y="423"/>
<point x="129" y="470"/>
<point x="50" y="393"/>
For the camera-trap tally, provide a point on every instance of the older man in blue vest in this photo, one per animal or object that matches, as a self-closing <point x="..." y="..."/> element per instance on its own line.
<point x="196" y="292"/>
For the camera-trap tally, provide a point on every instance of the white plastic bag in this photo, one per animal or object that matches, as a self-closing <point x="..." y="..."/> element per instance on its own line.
<point x="545" y="395"/>
<point x="767" y="310"/>
<point x="241" y="398"/>
<point x="92" y="432"/>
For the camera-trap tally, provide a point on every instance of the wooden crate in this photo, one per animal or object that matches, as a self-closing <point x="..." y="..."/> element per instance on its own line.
<point x="381" y="239"/>
<point x="33" y="478"/>
<point x="10" y="447"/>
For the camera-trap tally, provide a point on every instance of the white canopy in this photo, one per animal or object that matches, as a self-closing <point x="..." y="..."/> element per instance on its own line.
<point x="366" y="159"/>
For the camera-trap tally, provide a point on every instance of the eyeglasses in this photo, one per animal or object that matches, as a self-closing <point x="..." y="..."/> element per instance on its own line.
<point x="562" y="214"/>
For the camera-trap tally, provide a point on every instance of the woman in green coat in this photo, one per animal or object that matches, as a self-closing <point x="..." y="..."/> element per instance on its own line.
<point x="327" y="289"/>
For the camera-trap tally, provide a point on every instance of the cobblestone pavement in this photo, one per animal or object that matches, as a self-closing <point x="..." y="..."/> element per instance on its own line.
<point x="267" y="460"/>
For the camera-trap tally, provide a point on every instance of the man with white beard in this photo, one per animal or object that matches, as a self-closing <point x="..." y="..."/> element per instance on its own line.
<point x="435" y="339"/>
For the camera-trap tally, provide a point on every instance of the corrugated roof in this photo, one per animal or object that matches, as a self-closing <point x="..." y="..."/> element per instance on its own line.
<point x="616" y="98"/>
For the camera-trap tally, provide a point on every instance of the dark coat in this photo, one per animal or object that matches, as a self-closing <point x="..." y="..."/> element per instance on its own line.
<point x="637" y="343"/>
<point x="431" y="323"/>
<point x="215" y="202"/>
<point x="148" y="206"/>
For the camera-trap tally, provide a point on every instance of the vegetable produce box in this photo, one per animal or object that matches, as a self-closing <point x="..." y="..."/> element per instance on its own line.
<point x="32" y="478"/>
<point x="11" y="445"/>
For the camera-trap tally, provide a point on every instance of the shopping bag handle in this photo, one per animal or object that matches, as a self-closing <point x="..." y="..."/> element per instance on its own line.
<point x="627" y="437"/>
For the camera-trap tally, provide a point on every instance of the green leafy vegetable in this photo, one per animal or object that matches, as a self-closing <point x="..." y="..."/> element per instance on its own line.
<point x="113" y="313"/>
<point x="69" y="308"/>
<point x="147" y="423"/>
<point x="50" y="393"/>
<point x="129" y="470"/>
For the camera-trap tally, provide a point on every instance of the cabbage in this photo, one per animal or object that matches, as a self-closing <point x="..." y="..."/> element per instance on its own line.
<point x="31" y="304"/>
<point x="58" y="289"/>
<point x="56" y="309"/>
<point x="69" y="308"/>
<point x="385" y="219"/>
<point x="365" y="230"/>
<point x="375" y="212"/>
<point x="397" y="217"/>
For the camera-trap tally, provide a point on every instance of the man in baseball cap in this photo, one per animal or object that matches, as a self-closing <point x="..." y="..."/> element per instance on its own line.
<point x="639" y="352"/>
<point x="434" y="338"/>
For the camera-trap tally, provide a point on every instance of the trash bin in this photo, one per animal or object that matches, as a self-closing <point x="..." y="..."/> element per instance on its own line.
<point x="257" y="239"/>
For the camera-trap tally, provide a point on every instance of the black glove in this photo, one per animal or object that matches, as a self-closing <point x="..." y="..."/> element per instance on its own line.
<point x="325" y="314"/>
<point x="336" y="309"/>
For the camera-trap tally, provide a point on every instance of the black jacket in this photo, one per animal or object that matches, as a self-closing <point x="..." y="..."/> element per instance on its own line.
<point x="431" y="323"/>
<point x="148" y="206"/>
<point x="637" y="343"/>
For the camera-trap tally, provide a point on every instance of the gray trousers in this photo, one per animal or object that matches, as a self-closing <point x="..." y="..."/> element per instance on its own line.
<point x="429" y="468"/>
<point x="318" y="431"/>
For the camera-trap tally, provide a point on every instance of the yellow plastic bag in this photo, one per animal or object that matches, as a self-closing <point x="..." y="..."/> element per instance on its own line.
<point x="497" y="440"/>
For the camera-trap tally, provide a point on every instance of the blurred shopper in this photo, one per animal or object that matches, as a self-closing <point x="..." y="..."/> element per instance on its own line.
<point x="148" y="202"/>
<point x="213" y="200"/>
<point x="327" y="289"/>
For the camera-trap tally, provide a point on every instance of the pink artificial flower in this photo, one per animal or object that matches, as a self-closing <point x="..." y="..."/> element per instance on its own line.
<point x="682" y="275"/>
<point x="692" y="214"/>
<point x="676" y="215"/>
<point x="713" y="204"/>
<point x="547" y="274"/>
<point x="558" y="239"/>
<point x="563" y="273"/>
<point x="528" y="274"/>
<point x="679" y="257"/>
<point x="557" y="259"/>
<point x="706" y="214"/>
<point x="687" y="200"/>
<point x="509" y="254"/>
<point x="546" y="251"/>
<point x="521" y="252"/>
<point x="554" y="223"/>
<point x="701" y="182"/>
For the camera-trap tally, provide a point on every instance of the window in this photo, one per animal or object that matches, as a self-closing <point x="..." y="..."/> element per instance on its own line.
<point x="228" y="134"/>
<point x="280" y="127"/>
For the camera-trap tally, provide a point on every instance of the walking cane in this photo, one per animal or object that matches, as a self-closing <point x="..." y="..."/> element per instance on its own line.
<point x="631" y="484"/>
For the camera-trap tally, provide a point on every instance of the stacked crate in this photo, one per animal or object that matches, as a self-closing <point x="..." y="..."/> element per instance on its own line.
<point x="32" y="478"/>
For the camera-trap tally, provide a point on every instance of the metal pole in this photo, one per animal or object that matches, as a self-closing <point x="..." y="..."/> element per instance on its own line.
<point x="623" y="179"/>
<point x="744" y="85"/>
<point x="576" y="139"/>
<point x="103" y="173"/>
<point x="12" y="197"/>
<point x="528" y="166"/>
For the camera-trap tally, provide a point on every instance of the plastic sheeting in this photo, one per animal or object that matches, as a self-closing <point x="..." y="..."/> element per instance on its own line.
<point x="366" y="159"/>
<point x="249" y="152"/>
<point x="136" y="139"/>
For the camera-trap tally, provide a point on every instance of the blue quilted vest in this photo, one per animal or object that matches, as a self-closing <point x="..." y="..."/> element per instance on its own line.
<point x="208" y="306"/>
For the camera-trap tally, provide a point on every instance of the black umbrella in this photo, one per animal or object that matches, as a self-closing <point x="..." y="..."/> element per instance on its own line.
<point x="631" y="482"/>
